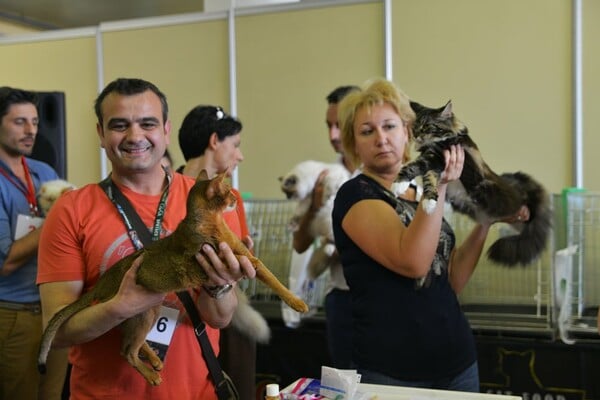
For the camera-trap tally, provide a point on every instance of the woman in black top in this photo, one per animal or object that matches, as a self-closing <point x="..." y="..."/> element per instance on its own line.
<point x="401" y="264"/>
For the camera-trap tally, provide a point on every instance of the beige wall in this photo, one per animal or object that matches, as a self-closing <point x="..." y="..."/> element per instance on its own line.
<point x="287" y="64"/>
<point x="506" y="64"/>
<point x="68" y="66"/>
<point x="506" y="67"/>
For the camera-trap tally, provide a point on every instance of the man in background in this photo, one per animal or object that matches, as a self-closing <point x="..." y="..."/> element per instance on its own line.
<point x="338" y="311"/>
<point x="20" y="227"/>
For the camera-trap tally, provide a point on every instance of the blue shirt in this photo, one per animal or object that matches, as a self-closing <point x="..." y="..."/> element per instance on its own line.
<point x="20" y="285"/>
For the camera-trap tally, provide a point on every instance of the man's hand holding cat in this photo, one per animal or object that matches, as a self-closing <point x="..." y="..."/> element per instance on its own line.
<point x="224" y="267"/>
<point x="133" y="298"/>
<point x="247" y="240"/>
<point x="221" y="268"/>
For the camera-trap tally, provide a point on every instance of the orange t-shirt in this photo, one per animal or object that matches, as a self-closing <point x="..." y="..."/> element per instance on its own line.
<point x="82" y="237"/>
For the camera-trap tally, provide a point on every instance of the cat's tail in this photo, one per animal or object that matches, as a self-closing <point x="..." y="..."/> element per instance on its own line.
<point x="526" y="246"/>
<point x="249" y="321"/>
<point x="55" y="323"/>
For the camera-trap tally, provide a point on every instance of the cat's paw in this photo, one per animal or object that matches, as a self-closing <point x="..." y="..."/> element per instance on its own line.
<point x="294" y="224"/>
<point x="329" y="249"/>
<point x="429" y="205"/>
<point x="400" y="187"/>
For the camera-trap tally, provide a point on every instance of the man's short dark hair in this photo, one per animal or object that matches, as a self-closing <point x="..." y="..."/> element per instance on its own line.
<point x="10" y="96"/>
<point x="129" y="87"/>
<point x="338" y="93"/>
<point x="199" y="124"/>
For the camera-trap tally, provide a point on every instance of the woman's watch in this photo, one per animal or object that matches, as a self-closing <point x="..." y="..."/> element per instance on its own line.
<point x="216" y="292"/>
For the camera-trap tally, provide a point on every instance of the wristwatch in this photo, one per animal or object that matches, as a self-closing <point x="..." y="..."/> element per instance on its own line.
<point x="216" y="292"/>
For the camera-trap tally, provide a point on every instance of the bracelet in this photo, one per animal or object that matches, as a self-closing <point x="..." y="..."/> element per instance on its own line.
<point x="217" y="292"/>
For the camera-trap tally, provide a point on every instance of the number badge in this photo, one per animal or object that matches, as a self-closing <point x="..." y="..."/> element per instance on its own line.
<point x="161" y="334"/>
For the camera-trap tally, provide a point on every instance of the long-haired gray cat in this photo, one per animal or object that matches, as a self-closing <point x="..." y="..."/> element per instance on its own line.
<point x="480" y="193"/>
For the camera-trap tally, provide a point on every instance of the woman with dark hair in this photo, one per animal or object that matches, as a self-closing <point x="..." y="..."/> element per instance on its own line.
<point x="209" y="139"/>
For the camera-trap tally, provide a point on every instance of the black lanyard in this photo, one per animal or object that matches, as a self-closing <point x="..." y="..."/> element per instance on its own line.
<point x="131" y="218"/>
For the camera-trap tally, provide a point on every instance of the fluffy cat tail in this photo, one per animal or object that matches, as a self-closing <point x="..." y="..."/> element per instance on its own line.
<point x="249" y="321"/>
<point x="526" y="246"/>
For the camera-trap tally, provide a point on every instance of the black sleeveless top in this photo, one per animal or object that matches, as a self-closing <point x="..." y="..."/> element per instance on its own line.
<point x="402" y="327"/>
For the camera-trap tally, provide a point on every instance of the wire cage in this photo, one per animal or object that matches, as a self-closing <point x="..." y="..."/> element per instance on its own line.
<point x="512" y="299"/>
<point x="269" y="225"/>
<point x="576" y="267"/>
<point x="517" y="299"/>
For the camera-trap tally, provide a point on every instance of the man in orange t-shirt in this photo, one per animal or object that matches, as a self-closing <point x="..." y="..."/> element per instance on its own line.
<point x="84" y="235"/>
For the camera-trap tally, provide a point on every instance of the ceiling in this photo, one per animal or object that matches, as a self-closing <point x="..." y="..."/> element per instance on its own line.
<point x="65" y="14"/>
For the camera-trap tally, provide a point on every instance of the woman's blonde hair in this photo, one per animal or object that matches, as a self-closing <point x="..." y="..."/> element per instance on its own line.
<point x="374" y="92"/>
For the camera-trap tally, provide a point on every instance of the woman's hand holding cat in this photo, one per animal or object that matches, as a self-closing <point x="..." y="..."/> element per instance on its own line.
<point x="455" y="158"/>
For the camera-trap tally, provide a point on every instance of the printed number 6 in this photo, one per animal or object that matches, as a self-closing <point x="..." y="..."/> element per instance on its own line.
<point x="161" y="324"/>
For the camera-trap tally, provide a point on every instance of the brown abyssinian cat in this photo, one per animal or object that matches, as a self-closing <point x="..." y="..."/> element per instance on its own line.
<point x="169" y="265"/>
<point x="480" y="193"/>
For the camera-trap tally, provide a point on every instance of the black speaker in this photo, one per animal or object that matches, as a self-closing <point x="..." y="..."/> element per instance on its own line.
<point x="51" y="140"/>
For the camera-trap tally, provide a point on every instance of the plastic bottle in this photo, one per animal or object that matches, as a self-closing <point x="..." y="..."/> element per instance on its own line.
<point x="272" y="391"/>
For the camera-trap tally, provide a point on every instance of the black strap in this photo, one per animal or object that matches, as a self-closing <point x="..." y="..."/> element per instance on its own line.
<point x="138" y="225"/>
<point x="207" y="351"/>
<point x="120" y="201"/>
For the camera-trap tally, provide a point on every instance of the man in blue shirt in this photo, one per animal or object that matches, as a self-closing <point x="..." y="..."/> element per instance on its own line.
<point x="20" y="218"/>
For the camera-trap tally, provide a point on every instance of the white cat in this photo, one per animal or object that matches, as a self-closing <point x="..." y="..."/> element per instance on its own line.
<point x="50" y="191"/>
<point x="298" y="184"/>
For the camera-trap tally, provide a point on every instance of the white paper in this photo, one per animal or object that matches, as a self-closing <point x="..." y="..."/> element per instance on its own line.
<point x="26" y="224"/>
<point x="338" y="384"/>
<point x="563" y="272"/>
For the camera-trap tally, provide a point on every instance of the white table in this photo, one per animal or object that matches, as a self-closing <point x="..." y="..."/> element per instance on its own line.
<point x="382" y="392"/>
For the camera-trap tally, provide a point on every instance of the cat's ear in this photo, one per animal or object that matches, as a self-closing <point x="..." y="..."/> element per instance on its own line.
<point x="219" y="186"/>
<point x="415" y="106"/>
<point x="220" y="177"/>
<point x="214" y="186"/>
<point x="202" y="176"/>
<point x="447" y="112"/>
